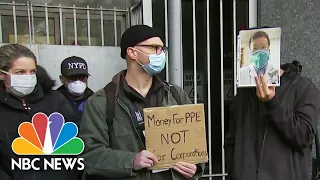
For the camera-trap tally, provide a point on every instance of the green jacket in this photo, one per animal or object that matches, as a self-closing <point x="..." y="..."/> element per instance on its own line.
<point x="99" y="158"/>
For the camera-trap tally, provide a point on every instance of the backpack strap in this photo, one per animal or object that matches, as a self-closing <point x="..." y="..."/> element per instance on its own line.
<point x="175" y="94"/>
<point x="110" y="90"/>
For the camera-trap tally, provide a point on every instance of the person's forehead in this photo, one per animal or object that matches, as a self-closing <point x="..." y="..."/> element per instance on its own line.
<point x="152" y="41"/>
<point x="260" y="40"/>
<point x="24" y="63"/>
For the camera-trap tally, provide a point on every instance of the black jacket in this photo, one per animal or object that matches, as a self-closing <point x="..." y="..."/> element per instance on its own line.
<point x="76" y="103"/>
<point x="273" y="140"/>
<point x="13" y="113"/>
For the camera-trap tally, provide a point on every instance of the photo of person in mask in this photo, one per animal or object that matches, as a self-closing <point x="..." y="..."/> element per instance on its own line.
<point x="115" y="148"/>
<point x="24" y="92"/>
<point x="259" y="62"/>
<point x="74" y="79"/>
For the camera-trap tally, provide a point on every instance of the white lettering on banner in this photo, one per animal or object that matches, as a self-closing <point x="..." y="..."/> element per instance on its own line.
<point x="188" y="84"/>
<point x="77" y="66"/>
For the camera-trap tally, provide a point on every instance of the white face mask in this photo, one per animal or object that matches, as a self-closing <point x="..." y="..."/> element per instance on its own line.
<point x="77" y="88"/>
<point x="22" y="85"/>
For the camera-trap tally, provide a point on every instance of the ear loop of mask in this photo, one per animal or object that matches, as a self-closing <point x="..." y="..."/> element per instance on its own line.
<point x="5" y="73"/>
<point x="143" y="54"/>
<point x="2" y="79"/>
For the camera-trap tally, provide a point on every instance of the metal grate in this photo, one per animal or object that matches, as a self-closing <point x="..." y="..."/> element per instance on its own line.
<point x="174" y="68"/>
<point x="28" y="9"/>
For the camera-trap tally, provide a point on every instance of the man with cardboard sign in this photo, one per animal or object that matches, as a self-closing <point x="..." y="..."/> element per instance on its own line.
<point x="176" y="133"/>
<point x="113" y="124"/>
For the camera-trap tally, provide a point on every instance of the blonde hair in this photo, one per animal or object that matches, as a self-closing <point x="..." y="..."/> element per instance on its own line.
<point x="11" y="52"/>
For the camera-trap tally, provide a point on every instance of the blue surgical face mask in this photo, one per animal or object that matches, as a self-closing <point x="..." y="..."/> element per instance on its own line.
<point x="156" y="65"/>
<point x="260" y="58"/>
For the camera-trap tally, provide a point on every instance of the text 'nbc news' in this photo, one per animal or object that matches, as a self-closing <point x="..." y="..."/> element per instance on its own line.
<point x="47" y="164"/>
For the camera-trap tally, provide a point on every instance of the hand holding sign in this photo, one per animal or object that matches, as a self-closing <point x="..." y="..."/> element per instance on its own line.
<point x="144" y="159"/>
<point x="187" y="170"/>
<point x="176" y="134"/>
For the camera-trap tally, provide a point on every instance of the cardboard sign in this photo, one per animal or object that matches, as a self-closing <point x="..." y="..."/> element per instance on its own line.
<point x="176" y="133"/>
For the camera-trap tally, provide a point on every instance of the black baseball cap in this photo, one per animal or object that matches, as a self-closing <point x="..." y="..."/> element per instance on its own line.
<point x="74" y="66"/>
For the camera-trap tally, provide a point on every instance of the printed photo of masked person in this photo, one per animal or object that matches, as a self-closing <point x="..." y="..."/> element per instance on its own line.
<point x="260" y="61"/>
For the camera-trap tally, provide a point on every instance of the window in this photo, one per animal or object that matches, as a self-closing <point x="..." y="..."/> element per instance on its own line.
<point x="95" y="30"/>
<point x="23" y="33"/>
<point x="7" y="32"/>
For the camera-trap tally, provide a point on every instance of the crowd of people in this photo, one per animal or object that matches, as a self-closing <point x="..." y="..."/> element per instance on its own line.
<point x="270" y="135"/>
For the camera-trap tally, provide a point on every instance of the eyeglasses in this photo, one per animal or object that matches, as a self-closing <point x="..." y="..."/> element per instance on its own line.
<point x="157" y="48"/>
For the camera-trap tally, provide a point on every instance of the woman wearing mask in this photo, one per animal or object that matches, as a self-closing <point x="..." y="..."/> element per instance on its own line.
<point x="21" y="97"/>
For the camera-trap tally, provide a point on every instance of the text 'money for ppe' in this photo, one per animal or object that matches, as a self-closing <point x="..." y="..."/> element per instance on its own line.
<point x="176" y="133"/>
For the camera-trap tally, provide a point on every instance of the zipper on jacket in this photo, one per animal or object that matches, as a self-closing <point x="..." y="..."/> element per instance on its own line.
<point x="262" y="146"/>
<point x="127" y="111"/>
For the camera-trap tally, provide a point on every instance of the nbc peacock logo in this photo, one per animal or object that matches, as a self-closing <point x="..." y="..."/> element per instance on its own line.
<point x="47" y="136"/>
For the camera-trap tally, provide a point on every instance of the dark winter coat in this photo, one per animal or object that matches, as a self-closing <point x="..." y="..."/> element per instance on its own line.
<point x="273" y="140"/>
<point x="13" y="112"/>
<point x="111" y="157"/>
<point x="78" y="105"/>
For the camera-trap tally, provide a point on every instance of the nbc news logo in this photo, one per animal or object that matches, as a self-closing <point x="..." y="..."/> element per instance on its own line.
<point x="47" y="136"/>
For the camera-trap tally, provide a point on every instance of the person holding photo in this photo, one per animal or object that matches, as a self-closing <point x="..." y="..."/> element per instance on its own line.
<point x="259" y="44"/>
<point x="272" y="129"/>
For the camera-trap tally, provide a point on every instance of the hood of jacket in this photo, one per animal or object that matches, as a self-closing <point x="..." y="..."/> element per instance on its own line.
<point x="44" y="79"/>
<point x="295" y="67"/>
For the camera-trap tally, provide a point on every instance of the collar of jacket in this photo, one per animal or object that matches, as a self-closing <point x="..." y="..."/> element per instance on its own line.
<point x="117" y="80"/>
<point x="63" y="90"/>
<point x="13" y="101"/>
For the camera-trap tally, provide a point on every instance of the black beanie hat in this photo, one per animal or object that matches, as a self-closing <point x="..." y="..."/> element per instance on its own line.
<point x="136" y="34"/>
